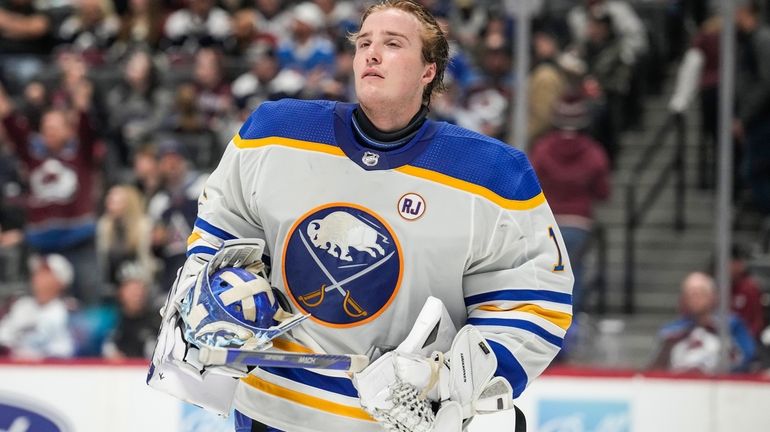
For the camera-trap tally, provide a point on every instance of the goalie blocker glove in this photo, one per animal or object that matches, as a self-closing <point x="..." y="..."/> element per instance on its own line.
<point x="402" y="387"/>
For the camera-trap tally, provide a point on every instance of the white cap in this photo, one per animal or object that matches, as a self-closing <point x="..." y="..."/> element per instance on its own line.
<point x="59" y="266"/>
<point x="310" y="14"/>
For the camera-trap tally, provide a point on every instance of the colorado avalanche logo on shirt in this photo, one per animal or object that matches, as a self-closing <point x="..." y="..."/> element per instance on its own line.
<point x="342" y="265"/>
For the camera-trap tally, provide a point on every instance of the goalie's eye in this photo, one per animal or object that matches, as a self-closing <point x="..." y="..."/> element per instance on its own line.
<point x="223" y="284"/>
<point x="237" y="308"/>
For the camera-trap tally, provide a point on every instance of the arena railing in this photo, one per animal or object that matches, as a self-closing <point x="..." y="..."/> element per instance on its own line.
<point x="636" y="210"/>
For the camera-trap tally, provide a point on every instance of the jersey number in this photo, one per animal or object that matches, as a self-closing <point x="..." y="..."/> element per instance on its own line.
<point x="559" y="266"/>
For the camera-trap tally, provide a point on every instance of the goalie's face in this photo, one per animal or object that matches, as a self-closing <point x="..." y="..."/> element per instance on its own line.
<point x="390" y="73"/>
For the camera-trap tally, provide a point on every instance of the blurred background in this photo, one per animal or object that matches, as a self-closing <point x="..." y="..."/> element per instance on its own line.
<point x="113" y="112"/>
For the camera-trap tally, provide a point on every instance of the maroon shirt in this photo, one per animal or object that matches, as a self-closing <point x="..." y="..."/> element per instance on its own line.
<point x="573" y="170"/>
<point x="708" y="44"/>
<point x="61" y="185"/>
<point x="746" y="303"/>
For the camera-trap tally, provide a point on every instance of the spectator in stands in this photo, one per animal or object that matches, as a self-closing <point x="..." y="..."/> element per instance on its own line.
<point x="72" y="74"/>
<point x="248" y="41"/>
<point x="699" y="75"/>
<point x="495" y="61"/>
<point x="276" y="17"/>
<point x="134" y="335"/>
<point x="574" y="172"/>
<point x="447" y="105"/>
<point x="11" y="224"/>
<point x="141" y="27"/>
<point x="136" y="106"/>
<point x="35" y="101"/>
<point x="632" y="38"/>
<point x="123" y="234"/>
<point x="547" y="84"/>
<point x="746" y="292"/>
<point x="146" y="173"/>
<point x="60" y="163"/>
<point x="603" y="56"/>
<point x="185" y="115"/>
<point x="340" y="17"/>
<point x="90" y="30"/>
<point x="486" y="105"/>
<point x="340" y="86"/>
<point x="752" y="123"/>
<point x="307" y="50"/>
<point x="12" y="221"/>
<point x="624" y="21"/>
<point x="692" y="343"/>
<point x="25" y="40"/>
<point x="173" y="209"/>
<point x="460" y="69"/>
<point x="467" y="21"/>
<point x="266" y="81"/>
<point x="486" y="111"/>
<point x="213" y="90"/>
<point x="37" y="325"/>
<point x="200" y="23"/>
<point x="12" y="218"/>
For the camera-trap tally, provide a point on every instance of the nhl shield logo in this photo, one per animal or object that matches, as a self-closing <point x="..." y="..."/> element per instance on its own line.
<point x="370" y="159"/>
<point x="342" y="264"/>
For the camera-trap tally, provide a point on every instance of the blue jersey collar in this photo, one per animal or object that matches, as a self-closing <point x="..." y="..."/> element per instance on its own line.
<point x="377" y="159"/>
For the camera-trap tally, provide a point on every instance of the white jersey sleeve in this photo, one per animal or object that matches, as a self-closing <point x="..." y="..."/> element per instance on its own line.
<point x="518" y="287"/>
<point x="224" y="210"/>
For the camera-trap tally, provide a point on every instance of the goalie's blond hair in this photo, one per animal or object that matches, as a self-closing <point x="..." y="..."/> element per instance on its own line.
<point x="435" y="47"/>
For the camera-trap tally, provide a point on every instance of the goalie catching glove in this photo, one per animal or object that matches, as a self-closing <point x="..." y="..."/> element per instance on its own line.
<point x="402" y="389"/>
<point x="225" y="303"/>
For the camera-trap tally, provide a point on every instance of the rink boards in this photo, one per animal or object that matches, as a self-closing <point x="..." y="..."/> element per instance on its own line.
<point x="94" y="396"/>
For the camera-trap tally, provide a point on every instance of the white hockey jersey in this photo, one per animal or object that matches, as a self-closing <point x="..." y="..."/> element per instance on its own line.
<point x="360" y="238"/>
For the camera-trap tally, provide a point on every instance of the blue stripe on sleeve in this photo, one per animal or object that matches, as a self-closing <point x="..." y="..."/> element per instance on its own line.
<point x="520" y="295"/>
<point x="201" y="250"/>
<point x="211" y="229"/>
<point x="341" y="386"/>
<point x="509" y="368"/>
<point x="521" y="324"/>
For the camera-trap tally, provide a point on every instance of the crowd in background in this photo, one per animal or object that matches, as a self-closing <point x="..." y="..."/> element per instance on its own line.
<point x="114" y="111"/>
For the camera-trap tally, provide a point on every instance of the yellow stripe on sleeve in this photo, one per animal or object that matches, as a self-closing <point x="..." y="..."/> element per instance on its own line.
<point x="195" y="236"/>
<point x="307" y="400"/>
<point x="561" y="319"/>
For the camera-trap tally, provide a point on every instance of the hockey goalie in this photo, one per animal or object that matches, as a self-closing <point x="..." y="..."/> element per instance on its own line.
<point x="362" y="267"/>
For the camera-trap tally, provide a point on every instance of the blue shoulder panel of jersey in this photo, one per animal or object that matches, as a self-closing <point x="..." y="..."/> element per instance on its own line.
<point x="481" y="160"/>
<point x="291" y="118"/>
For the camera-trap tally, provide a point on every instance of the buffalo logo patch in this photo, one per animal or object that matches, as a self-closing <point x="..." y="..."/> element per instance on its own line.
<point x="342" y="264"/>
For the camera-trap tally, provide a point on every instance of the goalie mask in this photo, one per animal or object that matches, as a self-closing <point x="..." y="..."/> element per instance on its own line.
<point x="232" y="308"/>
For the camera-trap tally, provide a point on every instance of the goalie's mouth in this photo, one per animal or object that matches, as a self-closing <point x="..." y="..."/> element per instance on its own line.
<point x="372" y="73"/>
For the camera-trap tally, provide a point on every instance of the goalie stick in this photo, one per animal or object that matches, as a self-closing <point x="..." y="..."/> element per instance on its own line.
<point x="231" y="356"/>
